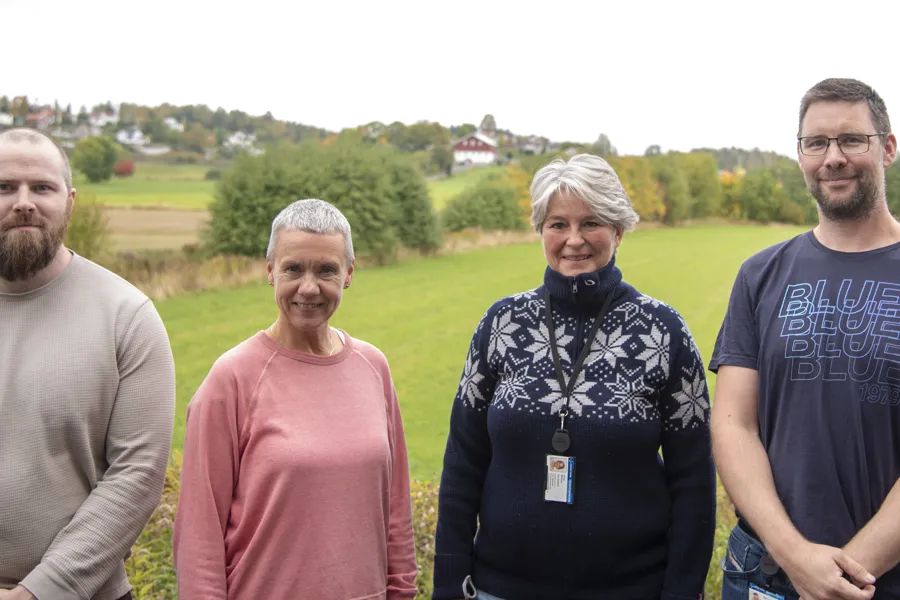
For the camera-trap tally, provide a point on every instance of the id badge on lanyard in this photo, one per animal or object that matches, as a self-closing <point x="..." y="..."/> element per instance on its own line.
<point x="560" y="479"/>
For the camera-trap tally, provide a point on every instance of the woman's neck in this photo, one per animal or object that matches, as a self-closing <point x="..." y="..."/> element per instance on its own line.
<point x="321" y="341"/>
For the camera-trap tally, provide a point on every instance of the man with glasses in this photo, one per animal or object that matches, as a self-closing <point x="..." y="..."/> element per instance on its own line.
<point x="806" y="418"/>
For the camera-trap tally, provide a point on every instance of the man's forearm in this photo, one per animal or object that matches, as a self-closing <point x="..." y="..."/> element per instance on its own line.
<point x="747" y="476"/>
<point x="877" y="545"/>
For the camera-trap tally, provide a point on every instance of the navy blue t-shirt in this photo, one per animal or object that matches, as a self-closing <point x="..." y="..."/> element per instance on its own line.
<point x="822" y="328"/>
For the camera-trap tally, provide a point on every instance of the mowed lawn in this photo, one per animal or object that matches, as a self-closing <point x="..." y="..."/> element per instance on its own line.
<point x="422" y="313"/>
<point x="442" y="190"/>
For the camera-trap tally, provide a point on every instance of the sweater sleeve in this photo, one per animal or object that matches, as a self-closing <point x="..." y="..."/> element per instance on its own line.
<point x="466" y="459"/>
<point x="401" y="547"/>
<point x="85" y="553"/>
<point x="690" y="474"/>
<point x="209" y="472"/>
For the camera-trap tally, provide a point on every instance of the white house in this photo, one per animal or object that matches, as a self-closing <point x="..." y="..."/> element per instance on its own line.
<point x="157" y="150"/>
<point x="6" y="119"/>
<point x="239" y="139"/>
<point x="131" y="137"/>
<point x="476" y="149"/>
<point x="173" y="124"/>
<point x="102" y="119"/>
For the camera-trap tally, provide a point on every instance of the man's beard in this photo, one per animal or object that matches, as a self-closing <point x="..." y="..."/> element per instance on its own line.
<point x="858" y="206"/>
<point x="23" y="254"/>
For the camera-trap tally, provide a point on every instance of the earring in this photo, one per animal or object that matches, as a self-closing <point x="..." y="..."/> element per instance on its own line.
<point x="346" y="284"/>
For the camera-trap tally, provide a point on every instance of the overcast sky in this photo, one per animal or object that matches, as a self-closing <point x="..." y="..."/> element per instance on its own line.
<point x="678" y="74"/>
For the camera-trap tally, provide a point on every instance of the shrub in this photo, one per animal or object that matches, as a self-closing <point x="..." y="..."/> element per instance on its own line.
<point x="416" y="222"/>
<point x="364" y="181"/>
<point x="213" y="175"/>
<point x="89" y="234"/>
<point x="96" y="157"/>
<point x="490" y="204"/>
<point x="124" y="168"/>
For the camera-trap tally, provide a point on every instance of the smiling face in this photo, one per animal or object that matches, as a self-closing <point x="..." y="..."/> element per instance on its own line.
<point x="575" y="240"/>
<point x="309" y="272"/>
<point x="845" y="186"/>
<point x="35" y="207"/>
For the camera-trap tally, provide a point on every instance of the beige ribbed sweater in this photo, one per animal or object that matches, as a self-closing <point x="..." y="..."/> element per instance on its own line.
<point x="87" y="400"/>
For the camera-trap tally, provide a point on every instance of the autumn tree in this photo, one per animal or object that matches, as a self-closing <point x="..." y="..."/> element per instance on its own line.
<point x="705" y="189"/>
<point x="673" y="188"/>
<point x="639" y="180"/>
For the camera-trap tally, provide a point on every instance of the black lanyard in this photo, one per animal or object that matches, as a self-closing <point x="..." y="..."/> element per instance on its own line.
<point x="561" y="440"/>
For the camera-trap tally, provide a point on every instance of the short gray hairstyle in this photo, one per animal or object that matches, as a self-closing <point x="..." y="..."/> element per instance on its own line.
<point x="26" y="134"/>
<point x="591" y="179"/>
<point x="313" y="216"/>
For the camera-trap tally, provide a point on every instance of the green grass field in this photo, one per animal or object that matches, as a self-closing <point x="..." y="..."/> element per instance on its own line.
<point x="144" y="193"/>
<point x="442" y="190"/>
<point x="422" y="313"/>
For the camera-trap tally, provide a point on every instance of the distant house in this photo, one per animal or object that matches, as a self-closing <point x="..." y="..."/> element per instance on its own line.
<point x="41" y="119"/>
<point x="476" y="149"/>
<point x="157" y="150"/>
<point x="102" y="119"/>
<point x="131" y="137"/>
<point x="239" y="139"/>
<point x="173" y="124"/>
<point x="6" y="120"/>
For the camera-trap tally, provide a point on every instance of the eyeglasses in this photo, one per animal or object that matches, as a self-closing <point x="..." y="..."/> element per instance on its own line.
<point x="849" y="143"/>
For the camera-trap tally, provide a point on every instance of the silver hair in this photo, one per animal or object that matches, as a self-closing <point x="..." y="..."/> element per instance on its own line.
<point x="591" y="179"/>
<point x="313" y="216"/>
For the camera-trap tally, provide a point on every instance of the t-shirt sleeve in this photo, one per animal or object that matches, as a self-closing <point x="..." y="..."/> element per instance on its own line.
<point x="738" y="341"/>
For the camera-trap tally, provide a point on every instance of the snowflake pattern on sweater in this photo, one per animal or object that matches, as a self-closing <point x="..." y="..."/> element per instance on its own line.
<point x="643" y="363"/>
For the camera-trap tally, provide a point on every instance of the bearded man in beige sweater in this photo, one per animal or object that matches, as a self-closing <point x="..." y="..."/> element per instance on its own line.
<point x="87" y="394"/>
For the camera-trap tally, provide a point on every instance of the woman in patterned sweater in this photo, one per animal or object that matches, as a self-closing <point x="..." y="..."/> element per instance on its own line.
<point x="562" y="474"/>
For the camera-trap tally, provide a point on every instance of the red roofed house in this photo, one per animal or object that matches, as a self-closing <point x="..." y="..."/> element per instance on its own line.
<point x="476" y="149"/>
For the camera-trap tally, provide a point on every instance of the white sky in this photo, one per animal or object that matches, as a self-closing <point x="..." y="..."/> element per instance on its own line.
<point x="678" y="74"/>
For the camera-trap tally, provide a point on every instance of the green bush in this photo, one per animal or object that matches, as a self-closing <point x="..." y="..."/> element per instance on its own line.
<point x="89" y="234"/>
<point x="213" y="175"/>
<point x="363" y="181"/>
<point x="416" y="222"/>
<point x="95" y="157"/>
<point x="490" y="204"/>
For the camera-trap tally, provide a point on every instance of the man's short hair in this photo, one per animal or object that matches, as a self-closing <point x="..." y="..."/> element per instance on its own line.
<point x="25" y="134"/>
<point x="847" y="90"/>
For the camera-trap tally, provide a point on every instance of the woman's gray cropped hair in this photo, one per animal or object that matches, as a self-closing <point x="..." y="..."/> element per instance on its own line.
<point x="313" y="216"/>
<point x="590" y="178"/>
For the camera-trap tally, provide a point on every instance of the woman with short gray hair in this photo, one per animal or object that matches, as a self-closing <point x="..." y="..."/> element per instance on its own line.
<point x="295" y="480"/>
<point x="568" y="393"/>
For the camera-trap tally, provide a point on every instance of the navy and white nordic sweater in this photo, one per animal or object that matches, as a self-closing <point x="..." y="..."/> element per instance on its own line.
<point x="640" y="528"/>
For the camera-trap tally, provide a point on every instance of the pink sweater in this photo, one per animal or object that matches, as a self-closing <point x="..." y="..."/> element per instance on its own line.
<point x="295" y="480"/>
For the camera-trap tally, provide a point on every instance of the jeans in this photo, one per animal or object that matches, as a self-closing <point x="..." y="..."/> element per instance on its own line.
<point x="740" y="568"/>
